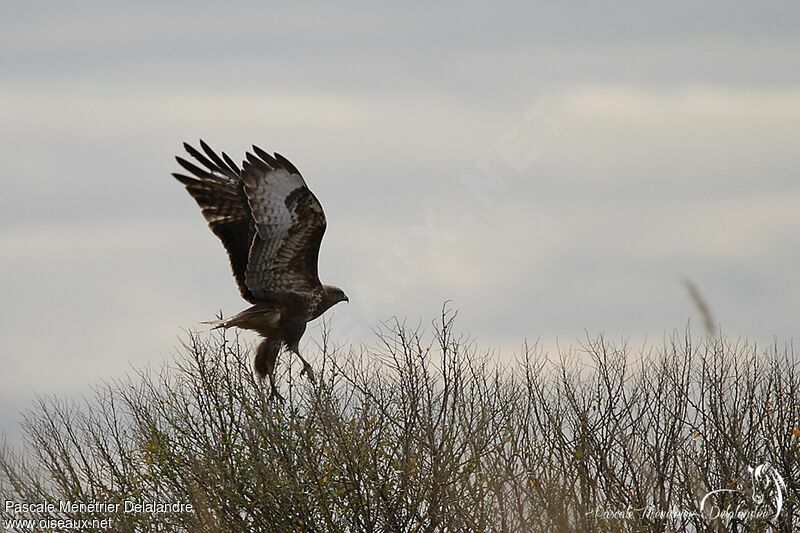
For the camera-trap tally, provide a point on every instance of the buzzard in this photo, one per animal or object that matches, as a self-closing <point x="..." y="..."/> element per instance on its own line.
<point x="271" y="225"/>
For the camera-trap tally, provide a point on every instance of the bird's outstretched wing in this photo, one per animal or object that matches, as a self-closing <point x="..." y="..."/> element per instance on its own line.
<point x="270" y="223"/>
<point x="290" y="224"/>
<point x="219" y="191"/>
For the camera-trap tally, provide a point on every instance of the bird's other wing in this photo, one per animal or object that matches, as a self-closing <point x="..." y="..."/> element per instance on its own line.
<point x="290" y="223"/>
<point x="218" y="189"/>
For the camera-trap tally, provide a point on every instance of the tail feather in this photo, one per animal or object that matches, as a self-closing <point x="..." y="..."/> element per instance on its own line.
<point x="217" y="323"/>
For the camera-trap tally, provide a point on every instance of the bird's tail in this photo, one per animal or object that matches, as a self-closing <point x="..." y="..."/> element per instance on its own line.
<point x="217" y="323"/>
<point x="220" y="322"/>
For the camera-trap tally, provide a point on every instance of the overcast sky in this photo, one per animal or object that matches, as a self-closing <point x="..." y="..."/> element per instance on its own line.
<point x="550" y="169"/>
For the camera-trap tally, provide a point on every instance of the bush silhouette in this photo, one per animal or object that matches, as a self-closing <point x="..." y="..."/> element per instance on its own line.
<point x="424" y="432"/>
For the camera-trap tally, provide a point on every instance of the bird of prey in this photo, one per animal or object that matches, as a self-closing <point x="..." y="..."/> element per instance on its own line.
<point x="271" y="225"/>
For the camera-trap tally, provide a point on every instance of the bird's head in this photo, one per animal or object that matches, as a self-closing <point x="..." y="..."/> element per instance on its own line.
<point x="334" y="295"/>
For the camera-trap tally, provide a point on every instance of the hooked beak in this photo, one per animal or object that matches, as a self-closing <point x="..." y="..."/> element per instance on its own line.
<point x="346" y="299"/>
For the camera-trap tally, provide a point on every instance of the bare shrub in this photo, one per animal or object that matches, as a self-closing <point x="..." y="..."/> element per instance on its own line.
<point x="425" y="433"/>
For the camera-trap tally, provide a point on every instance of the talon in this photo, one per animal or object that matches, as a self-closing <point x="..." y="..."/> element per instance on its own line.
<point x="310" y="372"/>
<point x="275" y="395"/>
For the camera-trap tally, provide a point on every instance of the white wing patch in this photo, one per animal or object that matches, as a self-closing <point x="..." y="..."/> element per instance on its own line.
<point x="267" y="199"/>
<point x="282" y="231"/>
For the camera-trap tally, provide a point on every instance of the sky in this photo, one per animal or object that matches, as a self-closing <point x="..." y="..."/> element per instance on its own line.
<point x="555" y="170"/>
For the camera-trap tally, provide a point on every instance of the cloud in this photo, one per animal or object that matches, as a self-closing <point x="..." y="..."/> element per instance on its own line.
<point x="549" y="170"/>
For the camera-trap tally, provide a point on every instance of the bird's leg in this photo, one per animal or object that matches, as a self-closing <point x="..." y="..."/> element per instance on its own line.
<point x="307" y="370"/>
<point x="274" y="394"/>
<point x="264" y="364"/>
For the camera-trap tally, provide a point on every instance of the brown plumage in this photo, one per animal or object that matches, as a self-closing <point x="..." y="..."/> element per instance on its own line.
<point x="272" y="226"/>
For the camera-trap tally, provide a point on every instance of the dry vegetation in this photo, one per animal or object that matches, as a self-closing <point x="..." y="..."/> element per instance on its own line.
<point x="425" y="433"/>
